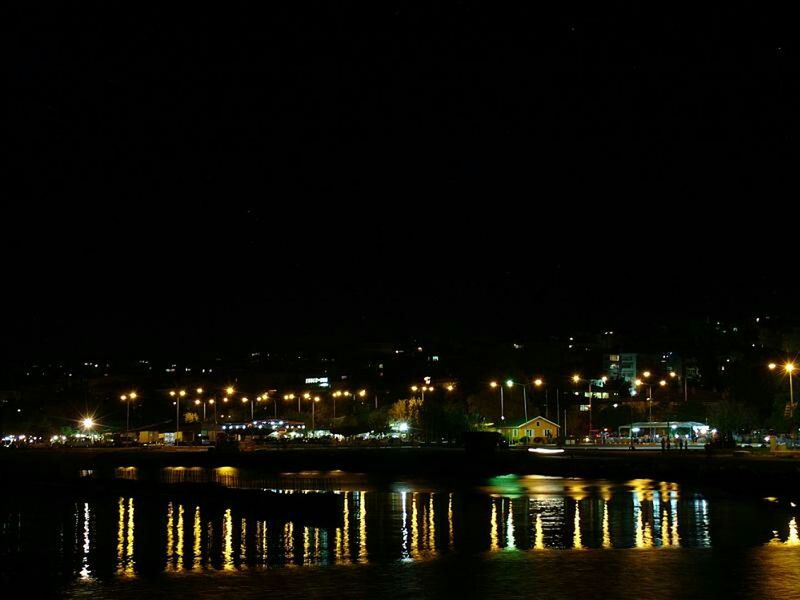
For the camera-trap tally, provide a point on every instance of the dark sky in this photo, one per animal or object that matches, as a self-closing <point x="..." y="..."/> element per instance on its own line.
<point x="368" y="170"/>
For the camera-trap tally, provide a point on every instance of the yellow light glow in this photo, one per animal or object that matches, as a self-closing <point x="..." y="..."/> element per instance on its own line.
<point x="414" y="388"/>
<point x="229" y="390"/>
<point x="646" y="374"/>
<point x="211" y="401"/>
<point x="538" y="382"/>
<point x="133" y="395"/>
<point x="123" y="397"/>
<point x="172" y="392"/>
<point x="637" y="382"/>
<point x="788" y="367"/>
<point x="604" y="379"/>
<point x="662" y="383"/>
<point x="225" y="399"/>
<point x="197" y="402"/>
<point x="362" y="393"/>
<point x="493" y="384"/>
<point x="316" y="398"/>
<point x="673" y="374"/>
<point x="245" y="400"/>
<point x="306" y="395"/>
<point x="772" y="366"/>
<point x="87" y="423"/>
<point x="450" y="387"/>
<point x="576" y="378"/>
<point x="182" y="393"/>
<point x="199" y="390"/>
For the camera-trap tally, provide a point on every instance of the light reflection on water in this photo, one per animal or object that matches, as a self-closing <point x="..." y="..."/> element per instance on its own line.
<point x="133" y="535"/>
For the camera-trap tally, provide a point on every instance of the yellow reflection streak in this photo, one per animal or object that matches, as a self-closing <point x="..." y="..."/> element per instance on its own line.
<point x="306" y="546"/>
<point x="511" y="543"/>
<point x="674" y="520"/>
<point x="196" y="535"/>
<point x="606" y="531"/>
<point x="495" y="542"/>
<point x="179" y="549"/>
<point x="538" y="543"/>
<point x="348" y="499"/>
<point x="414" y="526"/>
<point x="450" y="520"/>
<point x="227" y="533"/>
<point x="664" y="529"/>
<point x="121" y="536"/>
<point x="431" y="525"/>
<point x="576" y="539"/>
<point x="404" y="526"/>
<point x="362" y="527"/>
<point x="129" y="557"/>
<point x="170" y="542"/>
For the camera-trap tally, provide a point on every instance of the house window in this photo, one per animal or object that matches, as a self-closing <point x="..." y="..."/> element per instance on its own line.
<point x="528" y="432"/>
<point x="515" y="433"/>
<point x="538" y="424"/>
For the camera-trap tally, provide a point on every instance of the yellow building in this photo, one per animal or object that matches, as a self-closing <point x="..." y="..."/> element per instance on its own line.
<point x="538" y="430"/>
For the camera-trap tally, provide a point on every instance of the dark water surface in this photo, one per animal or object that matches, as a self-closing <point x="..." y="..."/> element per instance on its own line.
<point x="512" y="537"/>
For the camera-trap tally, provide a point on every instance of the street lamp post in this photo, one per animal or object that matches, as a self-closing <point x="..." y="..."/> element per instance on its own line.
<point x="510" y="383"/>
<point x="788" y="368"/>
<point x="177" y="395"/>
<point x="126" y="398"/>
<point x="213" y="403"/>
<point x="313" y="414"/>
<point x="493" y="385"/>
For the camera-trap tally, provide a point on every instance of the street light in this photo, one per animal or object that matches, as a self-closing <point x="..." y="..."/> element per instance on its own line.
<point x="177" y="395"/>
<point x="313" y="414"/>
<point x="126" y="398"/>
<point x="87" y="423"/>
<point x="245" y="400"/>
<point x="291" y="397"/>
<point x="495" y="385"/>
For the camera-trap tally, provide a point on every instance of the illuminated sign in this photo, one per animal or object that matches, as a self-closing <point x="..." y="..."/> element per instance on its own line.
<point x="323" y="381"/>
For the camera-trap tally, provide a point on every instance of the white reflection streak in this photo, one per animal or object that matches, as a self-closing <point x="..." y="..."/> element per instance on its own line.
<point x="404" y="527"/>
<point x="793" y="540"/>
<point x="606" y="530"/>
<point x="85" y="573"/>
<point x="538" y="543"/>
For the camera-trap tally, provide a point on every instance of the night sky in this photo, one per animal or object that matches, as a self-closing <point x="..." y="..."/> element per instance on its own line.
<point x="256" y="175"/>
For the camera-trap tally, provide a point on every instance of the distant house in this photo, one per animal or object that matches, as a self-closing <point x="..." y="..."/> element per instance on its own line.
<point x="538" y="427"/>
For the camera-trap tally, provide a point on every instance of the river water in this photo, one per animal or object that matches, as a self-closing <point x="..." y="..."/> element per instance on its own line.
<point x="511" y="536"/>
